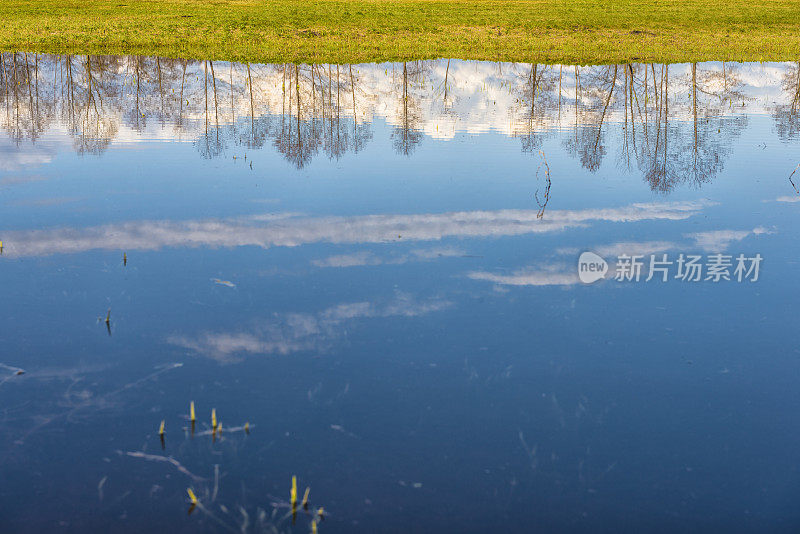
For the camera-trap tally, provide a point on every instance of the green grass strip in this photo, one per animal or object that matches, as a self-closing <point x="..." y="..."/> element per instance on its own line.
<point x="356" y="31"/>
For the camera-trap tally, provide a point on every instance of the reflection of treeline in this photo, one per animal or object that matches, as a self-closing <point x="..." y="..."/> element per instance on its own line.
<point x="317" y="111"/>
<point x="71" y="94"/>
<point x="656" y="136"/>
<point x="216" y="104"/>
<point x="673" y="124"/>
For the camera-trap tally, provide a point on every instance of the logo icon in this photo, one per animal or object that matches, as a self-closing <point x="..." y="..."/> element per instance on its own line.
<point x="591" y="267"/>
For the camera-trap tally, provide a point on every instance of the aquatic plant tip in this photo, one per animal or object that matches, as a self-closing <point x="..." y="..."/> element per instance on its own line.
<point x="304" y="504"/>
<point x="247" y="428"/>
<point x="191" y="411"/>
<point x="161" y="428"/>
<point x="192" y="497"/>
<point x="294" y="492"/>
<point x="214" y="418"/>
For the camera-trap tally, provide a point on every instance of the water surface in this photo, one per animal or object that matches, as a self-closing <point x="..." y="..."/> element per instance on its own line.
<point x="375" y="266"/>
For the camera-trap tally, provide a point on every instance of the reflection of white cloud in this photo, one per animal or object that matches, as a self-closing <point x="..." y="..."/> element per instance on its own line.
<point x="8" y="181"/>
<point x="437" y="252"/>
<point x="788" y="199"/>
<point x="630" y="248"/>
<point x="297" y="332"/>
<point x="719" y="240"/>
<point x="643" y="248"/>
<point x="349" y="260"/>
<point x="14" y="161"/>
<point x="15" y="158"/>
<point x="295" y="231"/>
<point x="549" y="276"/>
<point x="713" y="241"/>
<point x="359" y="259"/>
<point x="269" y="217"/>
<point x="45" y="202"/>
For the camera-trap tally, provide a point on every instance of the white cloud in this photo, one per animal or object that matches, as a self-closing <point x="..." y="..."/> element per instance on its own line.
<point x="349" y="260"/>
<point x="634" y="248"/>
<point x="544" y="276"/>
<point x="296" y="332"/>
<point x="8" y="181"/>
<point x="720" y="240"/>
<point x="14" y="157"/>
<point x="359" y="259"/>
<point x="290" y="231"/>
<point x="436" y="252"/>
<point x="631" y="248"/>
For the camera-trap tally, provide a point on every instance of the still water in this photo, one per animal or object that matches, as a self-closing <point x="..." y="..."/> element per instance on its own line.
<point x="375" y="267"/>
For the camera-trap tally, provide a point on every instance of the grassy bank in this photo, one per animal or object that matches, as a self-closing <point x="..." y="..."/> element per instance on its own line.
<point x="353" y="31"/>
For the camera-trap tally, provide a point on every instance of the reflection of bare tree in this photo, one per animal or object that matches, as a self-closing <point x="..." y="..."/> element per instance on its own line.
<point x="593" y="153"/>
<point x="670" y="155"/>
<point x="572" y="142"/>
<point x="445" y="89"/>
<point x="723" y="85"/>
<point x="335" y="140"/>
<point x="658" y="167"/>
<point x="632" y="107"/>
<point x="212" y="142"/>
<point x="27" y="114"/>
<point x="313" y="99"/>
<point x="406" y="135"/>
<point x="134" y="116"/>
<point x="362" y="132"/>
<point x="297" y="139"/>
<point x="589" y="137"/>
<point x="535" y="97"/>
<point x="544" y="199"/>
<point x="340" y="135"/>
<point x="95" y="95"/>
<point x="311" y="119"/>
<point x="791" y="179"/>
<point x="94" y="127"/>
<point x="655" y="134"/>
<point x="252" y="137"/>
<point x="787" y="116"/>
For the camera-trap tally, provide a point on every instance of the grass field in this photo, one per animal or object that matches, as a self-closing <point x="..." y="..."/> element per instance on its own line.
<point x="353" y="31"/>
